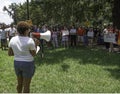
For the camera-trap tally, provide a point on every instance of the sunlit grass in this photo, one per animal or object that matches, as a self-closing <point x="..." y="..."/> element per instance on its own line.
<point x="78" y="70"/>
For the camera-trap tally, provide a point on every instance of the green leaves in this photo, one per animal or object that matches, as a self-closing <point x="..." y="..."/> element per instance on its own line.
<point x="66" y="11"/>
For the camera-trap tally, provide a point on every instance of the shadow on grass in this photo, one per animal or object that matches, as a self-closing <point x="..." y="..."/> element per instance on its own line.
<point x="87" y="55"/>
<point x="65" y="67"/>
<point x="84" y="55"/>
<point x="114" y="72"/>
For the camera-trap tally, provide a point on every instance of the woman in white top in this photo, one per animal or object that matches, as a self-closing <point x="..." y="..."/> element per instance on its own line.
<point x="23" y="48"/>
<point x="11" y="32"/>
<point x="65" y="37"/>
<point x="55" y="38"/>
<point x="90" y="35"/>
<point x="73" y="36"/>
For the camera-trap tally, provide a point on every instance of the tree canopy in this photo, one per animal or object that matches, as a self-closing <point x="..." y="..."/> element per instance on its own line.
<point x="78" y="12"/>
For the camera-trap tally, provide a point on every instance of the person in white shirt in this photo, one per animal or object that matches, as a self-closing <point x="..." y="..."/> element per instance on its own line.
<point x="3" y="37"/>
<point x="65" y="37"/>
<point x="55" y="38"/>
<point x="23" y="48"/>
<point x="11" y="31"/>
<point x="105" y="33"/>
<point x="90" y="35"/>
<point x="73" y="36"/>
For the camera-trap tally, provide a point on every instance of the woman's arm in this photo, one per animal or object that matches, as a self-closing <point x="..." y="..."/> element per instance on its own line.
<point x="37" y="42"/>
<point x="33" y="52"/>
<point x="10" y="52"/>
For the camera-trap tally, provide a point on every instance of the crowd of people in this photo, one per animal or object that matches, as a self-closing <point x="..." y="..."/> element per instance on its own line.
<point x="72" y="36"/>
<point x="6" y="33"/>
<point x="69" y="36"/>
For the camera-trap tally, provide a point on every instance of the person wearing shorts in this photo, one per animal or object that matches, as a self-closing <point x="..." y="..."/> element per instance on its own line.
<point x="23" y="48"/>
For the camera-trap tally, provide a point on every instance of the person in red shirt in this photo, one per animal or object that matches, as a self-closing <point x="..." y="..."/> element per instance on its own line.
<point x="80" y="34"/>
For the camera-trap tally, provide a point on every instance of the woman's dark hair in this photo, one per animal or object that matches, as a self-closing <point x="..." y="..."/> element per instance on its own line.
<point x="22" y="26"/>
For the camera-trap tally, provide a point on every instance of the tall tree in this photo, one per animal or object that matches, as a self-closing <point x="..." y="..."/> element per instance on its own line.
<point x="67" y="11"/>
<point x="116" y="13"/>
<point x="12" y="12"/>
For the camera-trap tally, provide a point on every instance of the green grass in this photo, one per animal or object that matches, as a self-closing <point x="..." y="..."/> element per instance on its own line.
<point x="73" y="70"/>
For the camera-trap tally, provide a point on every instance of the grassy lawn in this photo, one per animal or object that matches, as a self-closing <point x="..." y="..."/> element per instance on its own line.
<point x="73" y="70"/>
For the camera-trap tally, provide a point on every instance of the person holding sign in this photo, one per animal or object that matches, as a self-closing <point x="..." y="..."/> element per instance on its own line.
<point x="105" y="34"/>
<point x="23" y="48"/>
<point x="90" y="35"/>
<point x="110" y="37"/>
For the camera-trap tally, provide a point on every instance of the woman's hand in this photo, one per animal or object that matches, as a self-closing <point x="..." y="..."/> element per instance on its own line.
<point x="10" y="52"/>
<point x="37" y="41"/>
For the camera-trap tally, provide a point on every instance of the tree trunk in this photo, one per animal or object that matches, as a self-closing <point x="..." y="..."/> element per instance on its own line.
<point x="116" y="13"/>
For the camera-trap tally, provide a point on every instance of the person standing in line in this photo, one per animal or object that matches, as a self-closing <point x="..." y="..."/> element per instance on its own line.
<point x="55" y="38"/>
<point x="90" y="35"/>
<point x="3" y="38"/>
<point x="23" y="48"/>
<point x="112" y="35"/>
<point x="65" y="37"/>
<point x="11" y="31"/>
<point x="80" y="35"/>
<point x="73" y="36"/>
<point x="105" y="33"/>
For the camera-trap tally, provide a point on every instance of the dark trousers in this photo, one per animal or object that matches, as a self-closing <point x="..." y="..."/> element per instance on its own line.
<point x="73" y="40"/>
<point x="42" y="45"/>
<point x="107" y="45"/>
